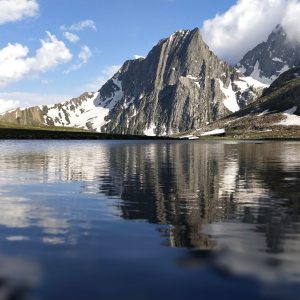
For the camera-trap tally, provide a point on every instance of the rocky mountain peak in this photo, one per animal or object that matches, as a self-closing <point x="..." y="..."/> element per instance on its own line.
<point x="271" y="58"/>
<point x="180" y="85"/>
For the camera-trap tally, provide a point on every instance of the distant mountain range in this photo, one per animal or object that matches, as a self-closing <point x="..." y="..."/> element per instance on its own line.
<point x="180" y="86"/>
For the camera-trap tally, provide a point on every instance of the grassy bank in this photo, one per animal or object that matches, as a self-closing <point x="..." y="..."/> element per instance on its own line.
<point x="63" y="133"/>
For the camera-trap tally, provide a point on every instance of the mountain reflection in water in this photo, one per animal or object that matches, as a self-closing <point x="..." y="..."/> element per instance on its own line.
<point x="233" y="207"/>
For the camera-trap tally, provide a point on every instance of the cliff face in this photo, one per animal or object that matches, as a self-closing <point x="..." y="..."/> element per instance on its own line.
<point x="180" y="85"/>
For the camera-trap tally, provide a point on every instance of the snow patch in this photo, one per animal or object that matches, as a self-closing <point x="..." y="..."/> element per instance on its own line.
<point x="151" y="130"/>
<point x="242" y="69"/>
<point x="214" y="132"/>
<point x="230" y="101"/>
<point x="256" y="74"/>
<point x="127" y="104"/>
<point x="192" y="77"/>
<point x="190" y="137"/>
<point x="263" y="113"/>
<point x="291" y="119"/>
<point x="134" y="113"/>
<point x="245" y="83"/>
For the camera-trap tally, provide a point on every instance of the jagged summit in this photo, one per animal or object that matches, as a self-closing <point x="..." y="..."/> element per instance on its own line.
<point x="271" y="58"/>
<point x="181" y="33"/>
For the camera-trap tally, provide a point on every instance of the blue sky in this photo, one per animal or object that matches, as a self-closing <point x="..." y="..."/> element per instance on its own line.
<point x="90" y="39"/>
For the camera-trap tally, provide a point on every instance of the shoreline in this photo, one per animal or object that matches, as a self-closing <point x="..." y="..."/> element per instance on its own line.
<point x="50" y="134"/>
<point x="69" y="134"/>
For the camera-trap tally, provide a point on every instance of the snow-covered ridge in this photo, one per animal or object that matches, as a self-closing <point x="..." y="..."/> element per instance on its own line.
<point x="90" y="112"/>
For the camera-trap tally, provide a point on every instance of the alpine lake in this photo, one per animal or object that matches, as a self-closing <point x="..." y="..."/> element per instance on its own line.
<point x="149" y="220"/>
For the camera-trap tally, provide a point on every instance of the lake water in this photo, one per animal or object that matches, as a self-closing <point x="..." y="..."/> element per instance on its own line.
<point x="149" y="220"/>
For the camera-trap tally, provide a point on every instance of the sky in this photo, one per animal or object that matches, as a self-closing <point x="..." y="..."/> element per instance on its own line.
<point x="52" y="50"/>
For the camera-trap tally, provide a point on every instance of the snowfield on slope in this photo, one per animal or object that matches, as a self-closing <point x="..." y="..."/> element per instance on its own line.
<point x="90" y="114"/>
<point x="291" y="119"/>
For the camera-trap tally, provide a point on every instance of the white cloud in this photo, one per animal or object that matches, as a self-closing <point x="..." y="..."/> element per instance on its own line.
<point x="85" y="24"/>
<point x="71" y="37"/>
<point x="106" y="74"/>
<point x="248" y="23"/>
<point x="16" y="65"/>
<point x="16" y="10"/>
<point x="7" y="104"/>
<point x="136" y="56"/>
<point x="291" y="21"/>
<point x="13" y="100"/>
<point x="83" y="57"/>
<point x="85" y="54"/>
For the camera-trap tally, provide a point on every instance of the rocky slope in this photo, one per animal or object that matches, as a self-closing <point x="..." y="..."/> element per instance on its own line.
<point x="275" y="114"/>
<point x="181" y="85"/>
<point x="271" y="58"/>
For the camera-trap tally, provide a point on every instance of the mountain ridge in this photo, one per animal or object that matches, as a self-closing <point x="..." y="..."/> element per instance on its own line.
<point x="180" y="85"/>
<point x="275" y="114"/>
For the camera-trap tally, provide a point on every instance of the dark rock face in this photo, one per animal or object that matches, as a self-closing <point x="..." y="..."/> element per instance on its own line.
<point x="271" y="58"/>
<point x="181" y="85"/>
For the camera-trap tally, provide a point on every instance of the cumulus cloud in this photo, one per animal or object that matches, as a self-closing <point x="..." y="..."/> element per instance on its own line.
<point x="15" y="64"/>
<point x="81" y="25"/>
<point x="13" y="100"/>
<point x="83" y="57"/>
<point x="248" y="23"/>
<point x="106" y="74"/>
<point x="71" y="37"/>
<point x="16" y="10"/>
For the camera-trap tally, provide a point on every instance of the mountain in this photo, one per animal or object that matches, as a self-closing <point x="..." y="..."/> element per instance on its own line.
<point x="181" y="85"/>
<point x="78" y="112"/>
<point x="271" y="58"/>
<point x="275" y="114"/>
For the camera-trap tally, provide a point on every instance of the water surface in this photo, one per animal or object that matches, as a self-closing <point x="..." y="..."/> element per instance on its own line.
<point x="149" y="220"/>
